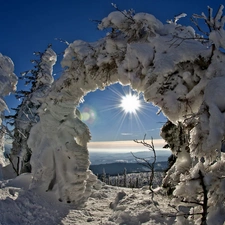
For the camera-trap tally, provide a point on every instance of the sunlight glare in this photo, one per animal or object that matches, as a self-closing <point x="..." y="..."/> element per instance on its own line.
<point x="130" y="103"/>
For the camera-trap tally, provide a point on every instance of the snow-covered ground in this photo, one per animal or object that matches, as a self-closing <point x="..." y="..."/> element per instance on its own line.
<point x="108" y="205"/>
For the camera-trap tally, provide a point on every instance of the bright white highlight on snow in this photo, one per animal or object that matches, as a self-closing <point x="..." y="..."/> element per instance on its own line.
<point x="130" y="103"/>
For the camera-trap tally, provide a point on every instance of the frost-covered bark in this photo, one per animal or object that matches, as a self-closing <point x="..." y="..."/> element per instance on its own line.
<point x="8" y="81"/>
<point x="174" y="68"/>
<point x="27" y="113"/>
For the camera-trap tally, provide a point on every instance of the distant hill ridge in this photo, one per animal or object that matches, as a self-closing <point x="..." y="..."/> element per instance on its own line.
<point x="98" y="158"/>
<point x="118" y="168"/>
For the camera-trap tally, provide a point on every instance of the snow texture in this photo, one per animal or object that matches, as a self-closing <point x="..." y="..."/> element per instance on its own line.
<point x="130" y="206"/>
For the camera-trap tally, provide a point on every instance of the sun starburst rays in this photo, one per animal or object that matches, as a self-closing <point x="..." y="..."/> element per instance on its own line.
<point x="127" y="107"/>
<point x="130" y="103"/>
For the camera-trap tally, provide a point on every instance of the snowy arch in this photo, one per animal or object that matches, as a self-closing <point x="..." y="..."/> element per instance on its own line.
<point x="173" y="68"/>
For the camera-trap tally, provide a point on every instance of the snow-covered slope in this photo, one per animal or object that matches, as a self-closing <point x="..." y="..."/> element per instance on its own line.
<point x="107" y="206"/>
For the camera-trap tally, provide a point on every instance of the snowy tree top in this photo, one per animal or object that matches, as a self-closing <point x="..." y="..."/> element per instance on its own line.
<point x="8" y="79"/>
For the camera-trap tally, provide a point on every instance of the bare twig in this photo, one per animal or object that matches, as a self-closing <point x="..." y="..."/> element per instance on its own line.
<point x="150" y="165"/>
<point x="195" y="22"/>
<point x="96" y="21"/>
<point x="213" y="23"/>
<point x="63" y="41"/>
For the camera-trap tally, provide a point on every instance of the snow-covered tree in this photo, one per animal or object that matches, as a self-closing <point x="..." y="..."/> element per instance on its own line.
<point x="40" y="79"/>
<point x="8" y="81"/>
<point x="177" y="69"/>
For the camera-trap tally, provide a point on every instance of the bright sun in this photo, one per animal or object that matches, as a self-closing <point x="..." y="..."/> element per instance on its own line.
<point x="130" y="103"/>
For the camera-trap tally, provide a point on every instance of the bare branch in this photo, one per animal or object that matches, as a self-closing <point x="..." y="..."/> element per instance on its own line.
<point x="63" y="41"/>
<point x="195" y="22"/>
<point x="96" y="21"/>
<point x="150" y="165"/>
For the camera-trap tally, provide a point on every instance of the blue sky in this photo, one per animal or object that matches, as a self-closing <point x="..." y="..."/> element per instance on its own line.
<point x="28" y="26"/>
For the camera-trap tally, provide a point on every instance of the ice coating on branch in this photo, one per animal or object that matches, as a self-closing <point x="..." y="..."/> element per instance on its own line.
<point x="173" y="68"/>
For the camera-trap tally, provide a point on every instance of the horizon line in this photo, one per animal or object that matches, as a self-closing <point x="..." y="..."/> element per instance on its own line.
<point x="126" y="145"/>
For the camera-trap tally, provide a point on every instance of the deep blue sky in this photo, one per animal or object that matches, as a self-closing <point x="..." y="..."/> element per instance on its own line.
<point x="28" y="26"/>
